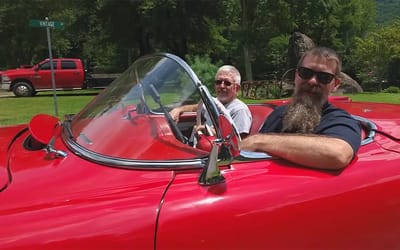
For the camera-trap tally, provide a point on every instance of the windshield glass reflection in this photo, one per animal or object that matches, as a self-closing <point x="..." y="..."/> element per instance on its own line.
<point x="127" y="120"/>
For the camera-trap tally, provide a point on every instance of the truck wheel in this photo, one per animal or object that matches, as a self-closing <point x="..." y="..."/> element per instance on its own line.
<point x="22" y="89"/>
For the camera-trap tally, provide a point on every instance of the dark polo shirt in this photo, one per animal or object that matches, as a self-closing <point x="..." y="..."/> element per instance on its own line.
<point x="335" y="122"/>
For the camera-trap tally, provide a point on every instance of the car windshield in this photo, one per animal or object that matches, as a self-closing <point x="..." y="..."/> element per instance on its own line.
<point x="129" y="120"/>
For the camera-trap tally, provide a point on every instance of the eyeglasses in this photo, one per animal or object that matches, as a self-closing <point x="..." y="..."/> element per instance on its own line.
<point x="219" y="82"/>
<point x="322" y="77"/>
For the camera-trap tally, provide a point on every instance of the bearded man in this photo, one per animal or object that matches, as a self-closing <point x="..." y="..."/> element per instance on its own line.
<point x="310" y="131"/>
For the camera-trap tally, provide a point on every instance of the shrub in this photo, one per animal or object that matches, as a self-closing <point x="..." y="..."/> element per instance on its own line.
<point x="204" y="69"/>
<point x="274" y="91"/>
<point x="392" y="89"/>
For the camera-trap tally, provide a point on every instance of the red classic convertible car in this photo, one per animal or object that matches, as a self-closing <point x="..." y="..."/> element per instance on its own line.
<point x="121" y="174"/>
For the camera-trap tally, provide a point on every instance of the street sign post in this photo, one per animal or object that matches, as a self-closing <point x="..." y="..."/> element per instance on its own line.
<point x="45" y="23"/>
<point x="55" y="25"/>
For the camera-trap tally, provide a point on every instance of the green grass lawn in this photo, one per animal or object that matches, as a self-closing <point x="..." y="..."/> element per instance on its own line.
<point x="360" y="97"/>
<point x="17" y="110"/>
<point x="14" y="110"/>
<point x="376" y="97"/>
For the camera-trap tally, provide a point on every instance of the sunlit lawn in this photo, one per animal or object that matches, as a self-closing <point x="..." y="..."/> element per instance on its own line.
<point x="16" y="110"/>
<point x="360" y="97"/>
<point x="376" y="97"/>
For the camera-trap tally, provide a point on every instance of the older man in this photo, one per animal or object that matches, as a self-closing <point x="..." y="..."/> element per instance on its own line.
<point x="310" y="131"/>
<point x="227" y="86"/>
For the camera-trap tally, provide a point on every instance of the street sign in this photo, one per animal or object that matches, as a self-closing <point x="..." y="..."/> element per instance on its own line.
<point x="46" y="23"/>
<point x="55" y="25"/>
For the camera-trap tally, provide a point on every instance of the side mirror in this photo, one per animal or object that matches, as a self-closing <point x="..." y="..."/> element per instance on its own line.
<point x="43" y="127"/>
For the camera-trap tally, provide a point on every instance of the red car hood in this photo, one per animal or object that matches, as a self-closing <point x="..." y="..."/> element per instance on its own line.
<point x="76" y="198"/>
<point x="385" y="116"/>
<point x="7" y="135"/>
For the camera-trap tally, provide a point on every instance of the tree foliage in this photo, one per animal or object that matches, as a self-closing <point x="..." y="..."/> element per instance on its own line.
<point x="389" y="10"/>
<point x="377" y="53"/>
<point x="253" y="35"/>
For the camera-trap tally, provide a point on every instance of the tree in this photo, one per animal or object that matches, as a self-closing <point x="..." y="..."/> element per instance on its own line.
<point x="248" y="15"/>
<point x="16" y="35"/>
<point x="376" y="52"/>
<point x="250" y="34"/>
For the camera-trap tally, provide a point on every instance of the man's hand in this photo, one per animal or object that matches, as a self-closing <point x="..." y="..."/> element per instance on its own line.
<point x="175" y="113"/>
<point x="249" y="144"/>
<point x="204" y="129"/>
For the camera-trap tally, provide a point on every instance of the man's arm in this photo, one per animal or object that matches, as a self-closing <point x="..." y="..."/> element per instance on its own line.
<point x="176" y="112"/>
<point x="309" y="150"/>
<point x="242" y="120"/>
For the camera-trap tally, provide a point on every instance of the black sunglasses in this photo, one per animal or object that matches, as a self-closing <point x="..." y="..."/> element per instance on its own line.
<point x="322" y="77"/>
<point x="219" y="82"/>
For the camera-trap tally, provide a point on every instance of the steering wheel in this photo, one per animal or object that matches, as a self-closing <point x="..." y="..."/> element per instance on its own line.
<point x="203" y="138"/>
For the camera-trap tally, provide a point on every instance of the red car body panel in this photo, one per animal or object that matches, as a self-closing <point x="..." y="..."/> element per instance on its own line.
<point x="288" y="207"/>
<point x="6" y="137"/>
<point x="271" y="200"/>
<point x="78" y="204"/>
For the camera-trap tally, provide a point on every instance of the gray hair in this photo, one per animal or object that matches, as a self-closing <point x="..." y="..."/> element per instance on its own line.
<point x="231" y="69"/>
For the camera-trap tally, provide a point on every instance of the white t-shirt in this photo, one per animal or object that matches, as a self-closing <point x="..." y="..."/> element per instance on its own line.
<point x="240" y="114"/>
<point x="237" y="113"/>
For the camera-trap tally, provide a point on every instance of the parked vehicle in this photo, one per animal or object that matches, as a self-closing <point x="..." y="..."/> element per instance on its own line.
<point x="121" y="174"/>
<point x="69" y="73"/>
<point x="100" y="80"/>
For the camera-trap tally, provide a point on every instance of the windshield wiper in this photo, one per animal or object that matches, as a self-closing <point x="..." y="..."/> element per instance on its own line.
<point x="156" y="97"/>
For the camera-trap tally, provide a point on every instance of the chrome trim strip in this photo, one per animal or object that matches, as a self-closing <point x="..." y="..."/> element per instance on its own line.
<point x="372" y="128"/>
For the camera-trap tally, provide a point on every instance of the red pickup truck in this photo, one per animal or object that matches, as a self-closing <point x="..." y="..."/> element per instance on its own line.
<point x="69" y="73"/>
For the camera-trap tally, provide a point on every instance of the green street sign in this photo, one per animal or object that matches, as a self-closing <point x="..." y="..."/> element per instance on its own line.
<point x="45" y="24"/>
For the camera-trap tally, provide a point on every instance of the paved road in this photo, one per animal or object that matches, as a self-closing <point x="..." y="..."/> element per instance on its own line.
<point x="4" y="93"/>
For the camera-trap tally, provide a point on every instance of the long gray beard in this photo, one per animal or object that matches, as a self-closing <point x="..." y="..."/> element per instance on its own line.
<point x="303" y="114"/>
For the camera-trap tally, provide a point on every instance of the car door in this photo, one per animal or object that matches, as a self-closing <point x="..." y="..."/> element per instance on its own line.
<point x="272" y="204"/>
<point x="69" y="75"/>
<point x="42" y="76"/>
